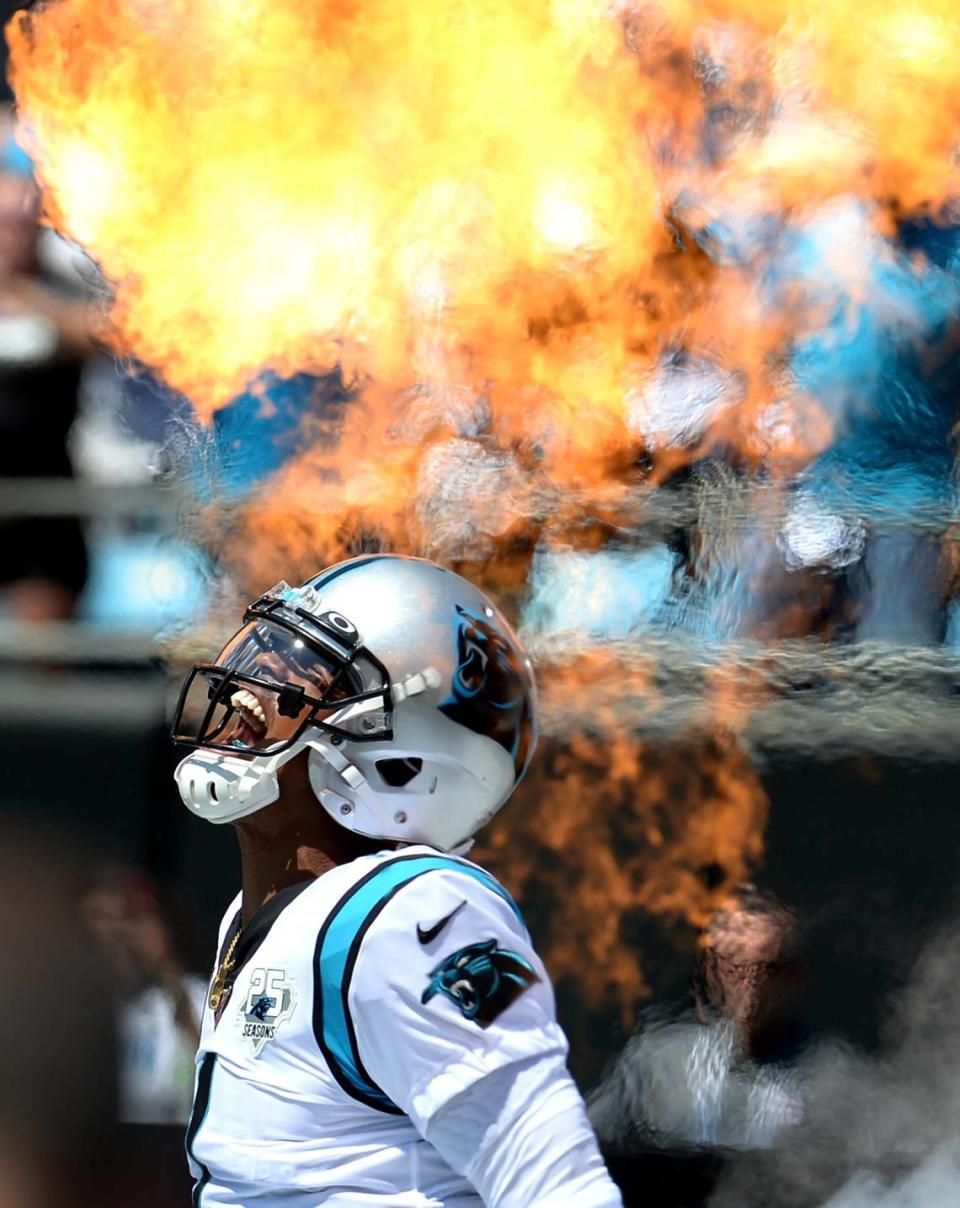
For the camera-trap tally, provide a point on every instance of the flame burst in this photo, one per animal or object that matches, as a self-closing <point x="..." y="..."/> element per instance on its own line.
<point x="496" y="218"/>
<point x="607" y="829"/>
<point x="299" y="185"/>
<point x="500" y="200"/>
<point x="470" y="191"/>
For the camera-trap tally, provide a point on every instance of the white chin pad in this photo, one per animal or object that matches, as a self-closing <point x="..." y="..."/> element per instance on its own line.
<point x="223" y="788"/>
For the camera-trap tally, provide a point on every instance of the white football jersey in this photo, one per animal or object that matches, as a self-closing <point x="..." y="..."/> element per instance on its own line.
<point x="362" y="1002"/>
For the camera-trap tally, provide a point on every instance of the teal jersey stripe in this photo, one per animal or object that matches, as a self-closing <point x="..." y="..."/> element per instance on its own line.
<point x="336" y="954"/>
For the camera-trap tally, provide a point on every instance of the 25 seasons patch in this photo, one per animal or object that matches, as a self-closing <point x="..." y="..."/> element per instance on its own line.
<point x="482" y="979"/>
<point x="270" y="1000"/>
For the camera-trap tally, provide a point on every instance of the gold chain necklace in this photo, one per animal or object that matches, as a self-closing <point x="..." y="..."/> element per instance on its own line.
<point x="219" y="987"/>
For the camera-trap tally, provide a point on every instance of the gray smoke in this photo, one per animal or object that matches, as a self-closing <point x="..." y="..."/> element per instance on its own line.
<point x="878" y="1132"/>
<point x="934" y="1184"/>
<point x="848" y="1130"/>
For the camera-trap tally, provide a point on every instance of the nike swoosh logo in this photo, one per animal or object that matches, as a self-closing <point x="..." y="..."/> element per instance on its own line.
<point x="426" y="934"/>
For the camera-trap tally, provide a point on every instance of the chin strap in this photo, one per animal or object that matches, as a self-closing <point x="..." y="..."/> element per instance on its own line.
<point x="348" y="772"/>
<point x="343" y="809"/>
<point x="324" y="758"/>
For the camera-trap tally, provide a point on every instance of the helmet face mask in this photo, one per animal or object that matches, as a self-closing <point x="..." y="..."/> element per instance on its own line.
<point x="274" y="681"/>
<point x="410" y="690"/>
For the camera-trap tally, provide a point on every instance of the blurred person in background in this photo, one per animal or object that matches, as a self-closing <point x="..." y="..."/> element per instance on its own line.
<point x="57" y="1081"/>
<point x="46" y="320"/>
<point x="161" y="1007"/>
<point x="721" y="1071"/>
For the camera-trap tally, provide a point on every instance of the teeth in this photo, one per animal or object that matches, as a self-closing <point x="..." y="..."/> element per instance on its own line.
<point x="243" y="699"/>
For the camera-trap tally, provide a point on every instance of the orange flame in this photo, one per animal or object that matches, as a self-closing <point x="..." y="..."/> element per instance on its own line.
<point x="298" y="185"/>
<point x="604" y="832"/>
<point x="471" y="195"/>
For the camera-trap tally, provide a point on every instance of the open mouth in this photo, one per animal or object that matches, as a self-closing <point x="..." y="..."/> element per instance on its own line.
<point x="250" y="722"/>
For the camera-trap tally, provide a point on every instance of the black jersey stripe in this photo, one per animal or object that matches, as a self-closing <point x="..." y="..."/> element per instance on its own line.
<point x="201" y="1105"/>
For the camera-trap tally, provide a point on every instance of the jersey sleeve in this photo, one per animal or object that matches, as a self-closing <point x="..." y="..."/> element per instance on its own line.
<point x="445" y="989"/>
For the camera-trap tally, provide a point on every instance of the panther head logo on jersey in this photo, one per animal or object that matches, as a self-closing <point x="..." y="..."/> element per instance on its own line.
<point x="482" y="979"/>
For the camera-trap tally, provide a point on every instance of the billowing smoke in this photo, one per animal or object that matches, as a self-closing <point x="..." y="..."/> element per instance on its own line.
<point x="884" y="1130"/>
<point x="847" y="1130"/>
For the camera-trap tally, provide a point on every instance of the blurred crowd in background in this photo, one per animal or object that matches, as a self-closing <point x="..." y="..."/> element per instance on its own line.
<point x="104" y="992"/>
<point x="74" y="426"/>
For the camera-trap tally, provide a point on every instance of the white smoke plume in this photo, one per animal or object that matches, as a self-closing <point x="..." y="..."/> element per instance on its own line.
<point x="880" y="1131"/>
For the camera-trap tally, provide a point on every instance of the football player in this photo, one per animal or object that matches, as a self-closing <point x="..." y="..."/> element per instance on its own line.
<point x="379" y="1028"/>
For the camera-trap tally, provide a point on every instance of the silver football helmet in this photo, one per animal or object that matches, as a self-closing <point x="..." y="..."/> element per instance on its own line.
<point x="411" y="691"/>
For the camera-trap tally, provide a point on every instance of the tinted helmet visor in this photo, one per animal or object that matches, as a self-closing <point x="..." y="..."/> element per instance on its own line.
<point x="271" y="682"/>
